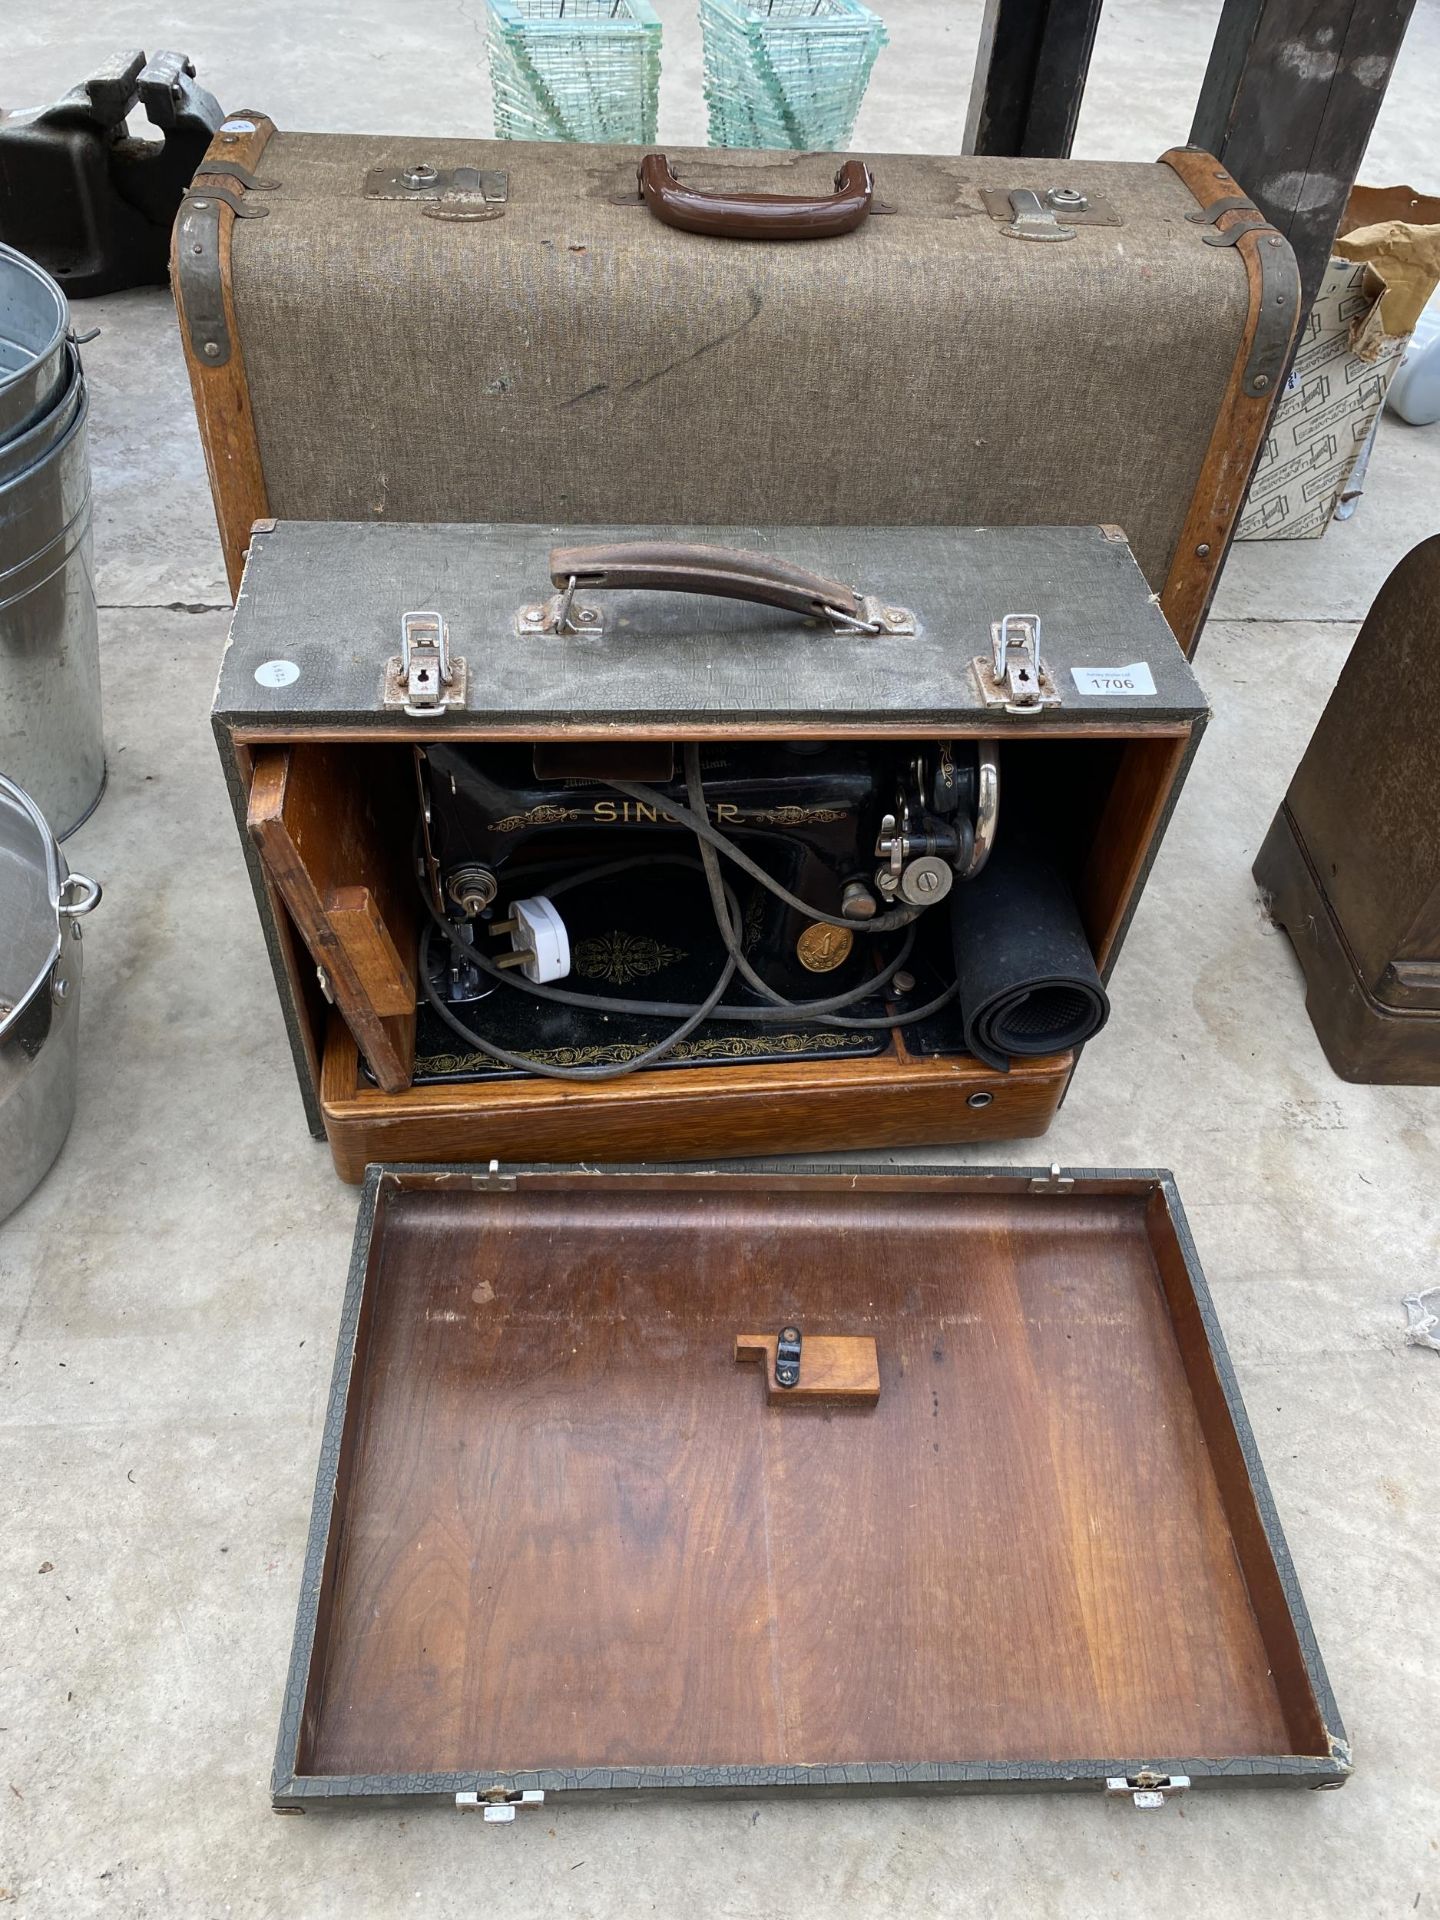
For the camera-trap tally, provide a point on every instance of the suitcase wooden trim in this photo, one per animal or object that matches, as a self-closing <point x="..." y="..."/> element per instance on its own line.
<point x="222" y="393"/>
<point x="232" y="453"/>
<point x="1259" y="1537"/>
<point x="1239" y="436"/>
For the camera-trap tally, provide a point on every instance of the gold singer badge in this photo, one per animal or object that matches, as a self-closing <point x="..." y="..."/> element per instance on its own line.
<point x="821" y="948"/>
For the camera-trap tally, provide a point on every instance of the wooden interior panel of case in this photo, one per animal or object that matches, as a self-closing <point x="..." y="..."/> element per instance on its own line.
<point x="332" y="828"/>
<point x="570" y="1531"/>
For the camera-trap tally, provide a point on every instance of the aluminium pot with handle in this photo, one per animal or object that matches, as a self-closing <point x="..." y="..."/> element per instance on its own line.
<point x="41" y="906"/>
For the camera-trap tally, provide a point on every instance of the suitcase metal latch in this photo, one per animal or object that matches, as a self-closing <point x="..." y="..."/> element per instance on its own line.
<point x="1014" y="676"/>
<point x="1034" y="218"/>
<point x="422" y="678"/>
<point x="1048" y="213"/>
<point x="446" y="193"/>
<point x="1145" y="1788"/>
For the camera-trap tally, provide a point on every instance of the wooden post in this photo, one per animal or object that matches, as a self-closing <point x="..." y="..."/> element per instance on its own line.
<point x="1288" y="102"/>
<point x="1030" y="76"/>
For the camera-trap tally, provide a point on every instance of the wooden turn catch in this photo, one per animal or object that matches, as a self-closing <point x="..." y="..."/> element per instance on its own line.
<point x="826" y="1366"/>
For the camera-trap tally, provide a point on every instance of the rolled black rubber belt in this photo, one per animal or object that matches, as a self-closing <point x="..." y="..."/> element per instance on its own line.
<point x="1027" y="980"/>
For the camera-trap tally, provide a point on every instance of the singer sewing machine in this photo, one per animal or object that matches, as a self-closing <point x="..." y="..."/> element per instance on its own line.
<point x="726" y="840"/>
<point x="597" y="881"/>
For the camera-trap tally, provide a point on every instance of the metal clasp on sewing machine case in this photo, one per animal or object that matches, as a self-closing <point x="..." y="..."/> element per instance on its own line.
<point x="1014" y="676"/>
<point x="423" y="678"/>
<point x="496" y="1804"/>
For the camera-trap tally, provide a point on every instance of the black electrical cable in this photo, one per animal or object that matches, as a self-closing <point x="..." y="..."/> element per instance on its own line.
<point x="710" y="861"/>
<point x="527" y="1064"/>
<point x="599" y="1003"/>
<point x="824" y="1013"/>
<point x="704" y="829"/>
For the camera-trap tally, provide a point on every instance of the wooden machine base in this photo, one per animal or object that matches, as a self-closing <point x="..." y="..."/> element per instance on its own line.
<point x="1364" y="1040"/>
<point x="686" y="1113"/>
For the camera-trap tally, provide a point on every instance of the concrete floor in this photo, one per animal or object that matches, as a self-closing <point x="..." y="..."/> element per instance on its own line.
<point x="169" y="1297"/>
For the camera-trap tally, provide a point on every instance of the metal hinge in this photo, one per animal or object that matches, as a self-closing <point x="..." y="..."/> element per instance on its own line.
<point x="496" y="1804"/>
<point x="1147" y="1789"/>
<point x="1054" y="1181"/>
<point x="1254" y="222"/>
<point x="1229" y="203"/>
<point x="422" y="678"/>
<point x="492" y="1180"/>
<point x="1015" y="677"/>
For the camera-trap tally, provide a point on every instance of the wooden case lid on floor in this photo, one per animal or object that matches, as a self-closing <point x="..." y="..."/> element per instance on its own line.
<point x="565" y="1542"/>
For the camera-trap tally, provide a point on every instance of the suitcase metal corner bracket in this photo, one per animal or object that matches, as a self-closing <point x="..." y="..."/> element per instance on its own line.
<point x="1278" y="306"/>
<point x="198" y="278"/>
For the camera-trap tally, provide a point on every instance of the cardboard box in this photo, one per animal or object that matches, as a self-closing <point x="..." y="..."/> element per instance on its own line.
<point x="1385" y="266"/>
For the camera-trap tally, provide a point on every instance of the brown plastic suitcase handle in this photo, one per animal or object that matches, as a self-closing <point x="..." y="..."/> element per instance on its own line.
<point x="729" y="573"/>
<point x="757" y="216"/>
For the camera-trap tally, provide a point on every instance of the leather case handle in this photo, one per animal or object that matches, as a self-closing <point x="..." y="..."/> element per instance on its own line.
<point x="757" y="216"/>
<point x="729" y="573"/>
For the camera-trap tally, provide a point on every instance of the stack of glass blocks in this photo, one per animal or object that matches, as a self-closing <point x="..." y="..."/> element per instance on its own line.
<point x="574" y="69"/>
<point x="787" y="73"/>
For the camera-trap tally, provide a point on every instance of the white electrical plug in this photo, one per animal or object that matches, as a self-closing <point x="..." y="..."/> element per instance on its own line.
<point x="539" y="933"/>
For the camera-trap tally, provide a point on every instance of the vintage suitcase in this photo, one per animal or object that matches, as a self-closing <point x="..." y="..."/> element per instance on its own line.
<point x="804" y="724"/>
<point x="1351" y="865"/>
<point x="1007" y="1528"/>
<point x="459" y="330"/>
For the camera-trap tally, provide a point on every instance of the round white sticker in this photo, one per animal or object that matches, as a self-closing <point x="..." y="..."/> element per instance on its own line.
<point x="277" y="673"/>
<point x="237" y="126"/>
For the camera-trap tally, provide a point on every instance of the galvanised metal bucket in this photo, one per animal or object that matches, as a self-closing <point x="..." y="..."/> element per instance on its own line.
<point x="50" y="733"/>
<point x="34" y="320"/>
<point x="41" y="903"/>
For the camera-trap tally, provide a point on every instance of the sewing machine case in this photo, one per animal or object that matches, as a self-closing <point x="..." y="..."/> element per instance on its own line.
<point x="318" y="747"/>
<point x="1007" y="1529"/>
<point x="704" y="1479"/>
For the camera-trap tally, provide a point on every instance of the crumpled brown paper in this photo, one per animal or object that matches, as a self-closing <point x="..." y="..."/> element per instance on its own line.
<point x="1396" y="232"/>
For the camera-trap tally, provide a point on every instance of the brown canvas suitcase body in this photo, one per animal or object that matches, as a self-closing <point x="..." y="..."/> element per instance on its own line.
<point x="1351" y="865"/>
<point x="324" y="741"/>
<point x="393" y="328"/>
